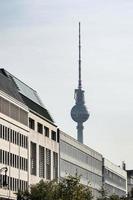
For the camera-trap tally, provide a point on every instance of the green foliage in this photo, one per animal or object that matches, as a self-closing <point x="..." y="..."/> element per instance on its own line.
<point x="103" y="194"/>
<point x="68" y="188"/>
<point x="114" y="197"/>
<point x="23" y="195"/>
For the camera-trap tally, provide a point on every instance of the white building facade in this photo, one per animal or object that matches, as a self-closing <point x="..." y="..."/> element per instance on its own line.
<point x="29" y="139"/>
<point x="114" y="179"/>
<point x="32" y="147"/>
<point x="13" y="146"/>
<point x="79" y="158"/>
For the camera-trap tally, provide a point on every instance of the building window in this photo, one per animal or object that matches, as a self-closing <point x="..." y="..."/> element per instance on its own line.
<point x="53" y="135"/>
<point x="33" y="158"/>
<point x="46" y="131"/>
<point x="31" y="123"/>
<point x="40" y="128"/>
<point x="55" y="165"/>
<point x="5" y="106"/>
<point x="41" y="162"/>
<point x="0" y="131"/>
<point x="0" y="156"/>
<point x="23" y="117"/>
<point x="58" y="135"/>
<point x="13" y="111"/>
<point x="48" y="164"/>
<point x="13" y="160"/>
<point x="13" y="136"/>
<point x="14" y="184"/>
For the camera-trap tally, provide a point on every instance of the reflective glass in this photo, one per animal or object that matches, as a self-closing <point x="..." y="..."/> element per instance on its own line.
<point x="27" y="91"/>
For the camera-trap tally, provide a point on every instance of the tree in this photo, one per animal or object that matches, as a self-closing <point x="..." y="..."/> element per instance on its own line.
<point x="114" y="197"/>
<point x="68" y="188"/>
<point x="23" y="195"/>
<point x="103" y="194"/>
<point x="41" y="191"/>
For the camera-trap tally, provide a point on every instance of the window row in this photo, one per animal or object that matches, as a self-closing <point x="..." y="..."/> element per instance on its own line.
<point x="13" y="160"/>
<point x="14" y="184"/>
<point x="114" y="178"/>
<point x="13" y="136"/>
<point x="44" y="162"/>
<point x="43" y="130"/>
<point x="68" y="168"/>
<point x="80" y="156"/>
<point x="13" y="111"/>
<point x="113" y="190"/>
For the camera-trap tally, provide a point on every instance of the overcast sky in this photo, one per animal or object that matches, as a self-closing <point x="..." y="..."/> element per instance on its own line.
<point x="39" y="45"/>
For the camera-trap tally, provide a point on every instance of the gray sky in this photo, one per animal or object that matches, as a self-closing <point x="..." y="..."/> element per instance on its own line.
<point x="39" y="45"/>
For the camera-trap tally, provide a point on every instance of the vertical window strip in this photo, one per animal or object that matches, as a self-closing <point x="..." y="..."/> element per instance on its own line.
<point x="10" y="134"/>
<point x="48" y="164"/>
<point x="41" y="162"/>
<point x="55" y="165"/>
<point x="14" y="160"/>
<point x="33" y="158"/>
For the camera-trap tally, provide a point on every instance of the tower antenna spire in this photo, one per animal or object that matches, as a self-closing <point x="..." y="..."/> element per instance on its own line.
<point x="80" y="82"/>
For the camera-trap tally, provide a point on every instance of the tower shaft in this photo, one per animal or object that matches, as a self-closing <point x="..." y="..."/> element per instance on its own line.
<point x="80" y="132"/>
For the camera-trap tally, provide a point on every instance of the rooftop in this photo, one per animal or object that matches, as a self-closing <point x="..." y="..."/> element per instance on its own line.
<point x="22" y="92"/>
<point x="8" y="86"/>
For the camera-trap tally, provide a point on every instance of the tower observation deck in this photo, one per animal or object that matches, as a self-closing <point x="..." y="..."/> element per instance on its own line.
<point x="79" y="112"/>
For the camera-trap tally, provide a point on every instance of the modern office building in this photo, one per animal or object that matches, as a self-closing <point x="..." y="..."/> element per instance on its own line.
<point x="95" y="170"/>
<point x="130" y="182"/>
<point x="29" y="138"/>
<point x="30" y="148"/>
<point x="76" y="157"/>
<point x="114" y="179"/>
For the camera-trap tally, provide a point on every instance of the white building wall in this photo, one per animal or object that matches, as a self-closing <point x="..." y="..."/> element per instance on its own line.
<point x="46" y="142"/>
<point x="92" y="172"/>
<point x="33" y="136"/>
<point x="114" y="170"/>
<point x="13" y="148"/>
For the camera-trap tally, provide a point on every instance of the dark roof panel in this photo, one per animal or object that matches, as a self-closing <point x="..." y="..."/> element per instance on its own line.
<point x="37" y="108"/>
<point x="8" y="86"/>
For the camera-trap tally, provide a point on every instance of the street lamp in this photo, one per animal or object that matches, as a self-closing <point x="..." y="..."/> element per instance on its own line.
<point x="5" y="169"/>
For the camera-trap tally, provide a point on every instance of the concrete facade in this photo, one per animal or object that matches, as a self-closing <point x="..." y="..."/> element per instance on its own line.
<point x="114" y="179"/>
<point x="29" y="140"/>
<point x="95" y="170"/>
<point x="44" y="141"/>
<point x="78" y="158"/>
<point x="130" y="182"/>
<point x="11" y="151"/>
<point x="32" y="147"/>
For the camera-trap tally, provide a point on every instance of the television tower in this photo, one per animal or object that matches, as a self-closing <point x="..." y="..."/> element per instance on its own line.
<point x="79" y="112"/>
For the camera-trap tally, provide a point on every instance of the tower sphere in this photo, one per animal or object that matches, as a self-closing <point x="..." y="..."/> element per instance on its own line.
<point x="79" y="113"/>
